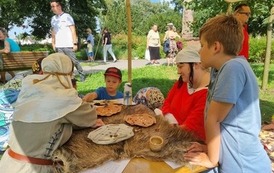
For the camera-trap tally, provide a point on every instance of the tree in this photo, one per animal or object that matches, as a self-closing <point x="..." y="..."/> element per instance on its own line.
<point x="144" y="15"/>
<point x="84" y="13"/>
<point x="10" y="17"/>
<point x="203" y="11"/>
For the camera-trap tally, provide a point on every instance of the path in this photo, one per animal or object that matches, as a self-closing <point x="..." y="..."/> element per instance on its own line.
<point x="121" y="64"/>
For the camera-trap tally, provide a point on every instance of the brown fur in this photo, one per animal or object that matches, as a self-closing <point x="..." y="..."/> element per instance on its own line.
<point x="80" y="153"/>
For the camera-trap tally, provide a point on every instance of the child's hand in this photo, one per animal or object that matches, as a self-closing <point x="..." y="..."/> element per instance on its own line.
<point x="197" y="147"/>
<point x="199" y="158"/>
<point x="98" y="123"/>
<point x="158" y="111"/>
<point x="88" y="97"/>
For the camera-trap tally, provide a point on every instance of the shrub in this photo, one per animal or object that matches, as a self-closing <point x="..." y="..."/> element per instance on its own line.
<point x="257" y="49"/>
<point x="37" y="47"/>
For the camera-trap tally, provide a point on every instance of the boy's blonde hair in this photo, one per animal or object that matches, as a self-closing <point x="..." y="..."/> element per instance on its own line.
<point x="225" y="29"/>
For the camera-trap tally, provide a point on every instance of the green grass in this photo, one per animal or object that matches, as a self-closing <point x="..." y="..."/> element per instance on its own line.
<point x="158" y="76"/>
<point x="163" y="78"/>
<point x="267" y="96"/>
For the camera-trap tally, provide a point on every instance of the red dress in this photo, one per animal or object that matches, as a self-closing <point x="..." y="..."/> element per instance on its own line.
<point x="245" y="45"/>
<point x="188" y="109"/>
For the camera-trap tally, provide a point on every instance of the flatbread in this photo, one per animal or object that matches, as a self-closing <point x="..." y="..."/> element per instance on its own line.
<point x="108" y="110"/>
<point x="111" y="133"/>
<point x="143" y="120"/>
<point x="106" y="102"/>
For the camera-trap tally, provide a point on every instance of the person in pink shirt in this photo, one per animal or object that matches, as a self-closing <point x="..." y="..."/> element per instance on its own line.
<point x="186" y="100"/>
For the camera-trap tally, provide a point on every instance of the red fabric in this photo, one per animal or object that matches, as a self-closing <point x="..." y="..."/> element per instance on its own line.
<point x="245" y="46"/>
<point x="187" y="109"/>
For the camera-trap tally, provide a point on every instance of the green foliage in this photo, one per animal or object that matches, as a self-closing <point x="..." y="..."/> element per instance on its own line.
<point x="37" y="47"/>
<point x="257" y="49"/>
<point x="120" y="43"/>
<point x="260" y="12"/>
<point x="81" y="54"/>
<point x="209" y="8"/>
<point x="9" y="14"/>
<point x="144" y="14"/>
<point x="266" y="97"/>
<point x="258" y="69"/>
<point x="39" y="12"/>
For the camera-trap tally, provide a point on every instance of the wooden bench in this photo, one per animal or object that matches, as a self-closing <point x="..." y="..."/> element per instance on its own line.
<point x="21" y="60"/>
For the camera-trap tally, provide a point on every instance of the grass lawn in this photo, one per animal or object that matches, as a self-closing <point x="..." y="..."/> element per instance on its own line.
<point x="267" y="96"/>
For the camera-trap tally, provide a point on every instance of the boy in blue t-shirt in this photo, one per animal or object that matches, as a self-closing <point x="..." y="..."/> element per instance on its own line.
<point x="232" y="115"/>
<point x="90" y="51"/>
<point x="113" y="79"/>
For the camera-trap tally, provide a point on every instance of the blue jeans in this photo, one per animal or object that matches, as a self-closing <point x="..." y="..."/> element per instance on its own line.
<point x="70" y="53"/>
<point x="108" y="48"/>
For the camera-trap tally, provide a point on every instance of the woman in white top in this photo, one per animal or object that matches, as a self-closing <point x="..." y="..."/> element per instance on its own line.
<point x="153" y="44"/>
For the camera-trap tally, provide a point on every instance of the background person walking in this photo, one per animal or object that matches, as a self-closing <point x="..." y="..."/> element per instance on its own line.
<point x="90" y="45"/>
<point x="90" y="51"/>
<point x="107" y="45"/>
<point x="170" y="38"/>
<point x="64" y="38"/>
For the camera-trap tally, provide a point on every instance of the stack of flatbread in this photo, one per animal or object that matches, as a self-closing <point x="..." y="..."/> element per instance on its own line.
<point x="143" y="120"/>
<point x="108" y="110"/>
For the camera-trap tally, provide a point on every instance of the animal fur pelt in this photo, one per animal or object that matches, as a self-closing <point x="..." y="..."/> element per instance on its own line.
<point x="80" y="153"/>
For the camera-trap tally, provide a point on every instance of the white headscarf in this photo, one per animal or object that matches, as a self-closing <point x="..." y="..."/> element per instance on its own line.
<point x="47" y="97"/>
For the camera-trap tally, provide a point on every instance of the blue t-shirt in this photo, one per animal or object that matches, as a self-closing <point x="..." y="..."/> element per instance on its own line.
<point x="103" y="95"/>
<point x="91" y="39"/>
<point x="14" y="47"/>
<point x="241" y="149"/>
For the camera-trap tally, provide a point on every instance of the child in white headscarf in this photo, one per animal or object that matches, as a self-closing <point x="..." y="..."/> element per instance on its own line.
<point x="46" y="111"/>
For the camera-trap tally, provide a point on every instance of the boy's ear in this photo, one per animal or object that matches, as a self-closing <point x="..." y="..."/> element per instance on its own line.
<point x="217" y="46"/>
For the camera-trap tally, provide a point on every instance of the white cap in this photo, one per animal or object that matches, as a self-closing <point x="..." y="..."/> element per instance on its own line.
<point x="188" y="54"/>
<point x="170" y="24"/>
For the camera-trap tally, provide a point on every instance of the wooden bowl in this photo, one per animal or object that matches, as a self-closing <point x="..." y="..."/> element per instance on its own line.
<point x="156" y="143"/>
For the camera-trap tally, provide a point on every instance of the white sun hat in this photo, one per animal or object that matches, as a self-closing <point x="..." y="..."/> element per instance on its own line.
<point x="188" y="54"/>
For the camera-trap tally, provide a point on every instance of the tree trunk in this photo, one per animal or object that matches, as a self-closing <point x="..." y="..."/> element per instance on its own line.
<point x="129" y="24"/>
<point x="268" y="50"/>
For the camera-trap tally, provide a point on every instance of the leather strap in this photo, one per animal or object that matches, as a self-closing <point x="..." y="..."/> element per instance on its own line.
<point x="31" y="160"/>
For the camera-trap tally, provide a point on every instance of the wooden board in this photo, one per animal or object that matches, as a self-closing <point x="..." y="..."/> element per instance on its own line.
<point x="140" y="165"/>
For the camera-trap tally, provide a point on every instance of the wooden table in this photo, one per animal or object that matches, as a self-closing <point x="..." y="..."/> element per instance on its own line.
<point x="140" y="165"/>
